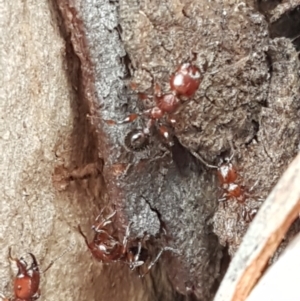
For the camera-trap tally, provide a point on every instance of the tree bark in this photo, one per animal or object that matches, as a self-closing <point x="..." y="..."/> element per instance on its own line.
<point x="71" y="68"/>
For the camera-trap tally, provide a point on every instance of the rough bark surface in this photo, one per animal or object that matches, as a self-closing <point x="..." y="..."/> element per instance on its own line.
<point x="154" y="187"/>
<point x="238" y="109"/>
<point x="69" y="66"/>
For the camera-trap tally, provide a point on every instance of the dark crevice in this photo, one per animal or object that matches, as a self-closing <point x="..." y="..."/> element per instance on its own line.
<point x="163" y="227"/>
<point x="269" y="62"/>
<point x="255" y="125"/>
<point x="264" y="6"/>
<point x="185" y="14"/>
<point x="270" y="67"/>
<point x="126" y="62"/>
<point x="84" y="138"/>
<point x="226" y="258"/>
<point x="184" y="160"/>
<point x="288" y="25"/>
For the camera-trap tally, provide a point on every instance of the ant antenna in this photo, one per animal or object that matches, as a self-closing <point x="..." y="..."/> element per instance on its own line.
<point x="197" y="156"/>
<point x="83" y="235"/>
<point x="230" y="158"/>
<point x="295" y="38"/>
<point x="127" y="233"/>
<point x="10" y="256"/>
<point x="106" y="220"/>
<point x="58" y="257"/>
<point x="152" y="263"/>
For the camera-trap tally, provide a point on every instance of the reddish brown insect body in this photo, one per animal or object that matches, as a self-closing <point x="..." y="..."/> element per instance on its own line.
<point x="168" y="103"/>
<point x="234" y="190"/>
<point x="186" y="80"/>
<point x="107" y="248"/>
<point x="156" y="113"/>
<point x="104" y="246"/>
<point x="227" y="175"/>
<point x="27" y="281"/>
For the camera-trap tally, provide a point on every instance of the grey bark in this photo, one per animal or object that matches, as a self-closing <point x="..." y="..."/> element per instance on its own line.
<point x="67" y="67"/>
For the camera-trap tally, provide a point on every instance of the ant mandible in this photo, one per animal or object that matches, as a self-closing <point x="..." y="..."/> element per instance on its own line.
<point x="107" y="248"/>
<point x="27" y="280"/>
<point x="184" y="82"/>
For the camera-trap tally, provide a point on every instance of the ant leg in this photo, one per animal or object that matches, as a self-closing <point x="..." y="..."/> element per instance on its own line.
<point x="105" y="222"/>
<point x="232" y="150"/>
<point x="107" y="219"/>
<point x="130" y="118"/>
<point x="181" y="107"/>
<point x="100" y="214"/>
<point x="152" y="263"/>
<point x="231" y="157"/>
<point x="132" y="261"/>
<point x="157" y="90"/>
<point x="176" y="251"/>
<point x="98" y="217"/>
<point x="137" y="256"/>
<point x="165" y="133"/>
<point x="166" y="153"/>
<point x="125" y="172"/>
<point x="136" y="262"/>
<point x="127" y="233"/>
<point x="223" y="199"/>
<point x="203" y="161"/>
<point x="253" y="186"/>
<point x="149" y="126"/>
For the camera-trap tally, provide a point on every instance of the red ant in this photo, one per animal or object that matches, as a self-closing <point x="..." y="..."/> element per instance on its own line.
<point x="184" y="82"/>
<point x="107" y="248"/>
<point x="227" y="175"/>
<point x="27" y="280"/>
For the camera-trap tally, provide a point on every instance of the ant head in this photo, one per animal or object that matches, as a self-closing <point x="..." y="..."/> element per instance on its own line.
<point x="136" y="140"/>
